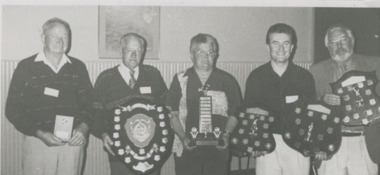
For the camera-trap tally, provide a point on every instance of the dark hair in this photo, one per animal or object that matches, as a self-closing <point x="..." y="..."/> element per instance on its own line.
<point x="282" y="28"/>
<point x="204" y="38"/>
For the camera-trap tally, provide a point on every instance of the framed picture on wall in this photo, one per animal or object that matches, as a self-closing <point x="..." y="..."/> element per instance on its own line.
<point x="115" y="21"/>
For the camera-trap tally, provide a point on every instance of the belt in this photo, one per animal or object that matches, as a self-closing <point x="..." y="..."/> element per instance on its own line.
<point x="352" y="134"/>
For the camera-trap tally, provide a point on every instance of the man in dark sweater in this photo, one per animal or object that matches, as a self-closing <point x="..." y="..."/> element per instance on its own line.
<point x="117" y="85"/>
<point x="49" y="101"/>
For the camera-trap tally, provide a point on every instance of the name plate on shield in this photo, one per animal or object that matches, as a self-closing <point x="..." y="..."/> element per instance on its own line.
<point x="254" y="131"/>
<point x="142" y="135"/>
<point x="311" y="127"/>
<point x="359" y="100"/>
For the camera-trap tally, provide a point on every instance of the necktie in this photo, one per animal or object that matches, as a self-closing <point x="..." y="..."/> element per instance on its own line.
<point x="132" y="81"/>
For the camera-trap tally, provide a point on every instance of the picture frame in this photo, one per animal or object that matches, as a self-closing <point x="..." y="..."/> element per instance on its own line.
<point x="115" y="21"/>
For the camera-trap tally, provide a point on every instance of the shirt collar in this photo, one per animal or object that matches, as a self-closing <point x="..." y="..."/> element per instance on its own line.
<point x="42" y="58"/>
<point x="126" y="70"/>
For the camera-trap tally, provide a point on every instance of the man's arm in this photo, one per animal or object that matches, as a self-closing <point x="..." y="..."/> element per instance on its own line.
<point x="172" y="101"/>
<point x="234" y="103"/>
<point x="15" y="107"/>
<point x="252" y="92"/>
<point x="162" y="89"/>
<point x="85" y="93"/>
<point x="178" y="129"/>
<point x="100" y="124"/>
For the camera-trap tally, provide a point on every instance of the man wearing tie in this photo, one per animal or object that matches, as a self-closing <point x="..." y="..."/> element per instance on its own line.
<point x="117" y="85"/>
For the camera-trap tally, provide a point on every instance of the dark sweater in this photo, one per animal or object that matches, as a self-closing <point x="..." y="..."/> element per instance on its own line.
<point x="29" y="107"/>
<point x="111" y="91"/>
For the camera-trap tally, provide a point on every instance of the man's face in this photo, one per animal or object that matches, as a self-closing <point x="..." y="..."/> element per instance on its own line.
<point x="132" y="52"/>
<point x="56" y="39"/>
<point x="280" y="47"/>
<point x="340" y="45"/>
<point x="203" y="57"/>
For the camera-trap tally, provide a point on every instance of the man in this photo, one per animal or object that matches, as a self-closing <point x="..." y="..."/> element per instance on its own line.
<point x="47" y="91"/>
<point x="184" y="100"/>
<point x="270" y="87"/>
<point x="117" y="85"/>
<point x="360" y="143"/>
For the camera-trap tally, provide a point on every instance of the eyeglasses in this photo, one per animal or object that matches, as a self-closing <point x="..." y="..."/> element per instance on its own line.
<point x="201" y="53"/>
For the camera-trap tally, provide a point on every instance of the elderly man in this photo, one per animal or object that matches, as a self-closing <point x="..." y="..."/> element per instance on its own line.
<point x="49" y="95"/>
<point x="360" y="144"/>
<point x="270" y="87"/>
<point x="117" y="85"/>
<point x="186" y="90"/>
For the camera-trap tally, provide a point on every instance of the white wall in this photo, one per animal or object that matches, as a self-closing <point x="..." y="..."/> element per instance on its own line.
<point x="240" y="30"/>
<point x="22" y="27"/>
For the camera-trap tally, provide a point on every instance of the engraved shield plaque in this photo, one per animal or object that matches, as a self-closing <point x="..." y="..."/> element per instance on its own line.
<point x="311" y="127"/>
<point x="142" y="135"/>
<point x="358" y="97"/>
<point x="254" y="132"/>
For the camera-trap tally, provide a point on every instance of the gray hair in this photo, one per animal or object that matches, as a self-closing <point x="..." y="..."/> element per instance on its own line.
<point x="124" y="39"/>
<point x="49" y="23"/>
<point x="204" y="38"/>
<point x="339" y="27"/>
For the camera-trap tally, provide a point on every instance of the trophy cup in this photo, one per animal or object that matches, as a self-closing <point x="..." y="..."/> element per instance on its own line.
<point x="207" y="134"/>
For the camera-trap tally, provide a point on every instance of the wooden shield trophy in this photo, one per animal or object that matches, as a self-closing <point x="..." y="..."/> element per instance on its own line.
<point x="254" y="132"/>
<point x="142" y="135"/>
<point x="311" y="127"/>
<point x="360" y="102"/>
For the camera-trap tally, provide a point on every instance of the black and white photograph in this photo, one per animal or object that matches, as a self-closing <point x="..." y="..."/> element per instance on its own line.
<point x="192" y="87"/>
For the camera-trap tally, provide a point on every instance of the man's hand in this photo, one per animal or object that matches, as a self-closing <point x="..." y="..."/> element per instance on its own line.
<point x="186" y="144"/>
<point x="49" y="139"/>
<point x="226" y="140"/>
<point x="258" y="153"/>
<point x="79" y="135"/>
<point x="331" y="99"/>
<point x="107" y="142"/>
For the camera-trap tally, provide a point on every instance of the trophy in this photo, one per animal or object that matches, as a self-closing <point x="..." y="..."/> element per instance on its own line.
<point x="63" y="127"/>
<point x="142" y="135"/>
<point x="360" y="102"/>
<point x="254" y="131"/>
<point x="311" y="127"/>
<point x="207" y="133"/>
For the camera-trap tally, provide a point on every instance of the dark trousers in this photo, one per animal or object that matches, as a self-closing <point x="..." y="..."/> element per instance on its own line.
<point x="205" y="160"/>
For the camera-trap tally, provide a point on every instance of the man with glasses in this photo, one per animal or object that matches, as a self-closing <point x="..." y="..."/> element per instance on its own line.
<point x="203" y="81"/>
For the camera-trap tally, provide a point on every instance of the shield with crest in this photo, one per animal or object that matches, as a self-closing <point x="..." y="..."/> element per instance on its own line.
<point x="358" y="97"/>
<point x="310" y="127"/>
<point x="254" y="131"/>
<point x="142" y="135"/>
